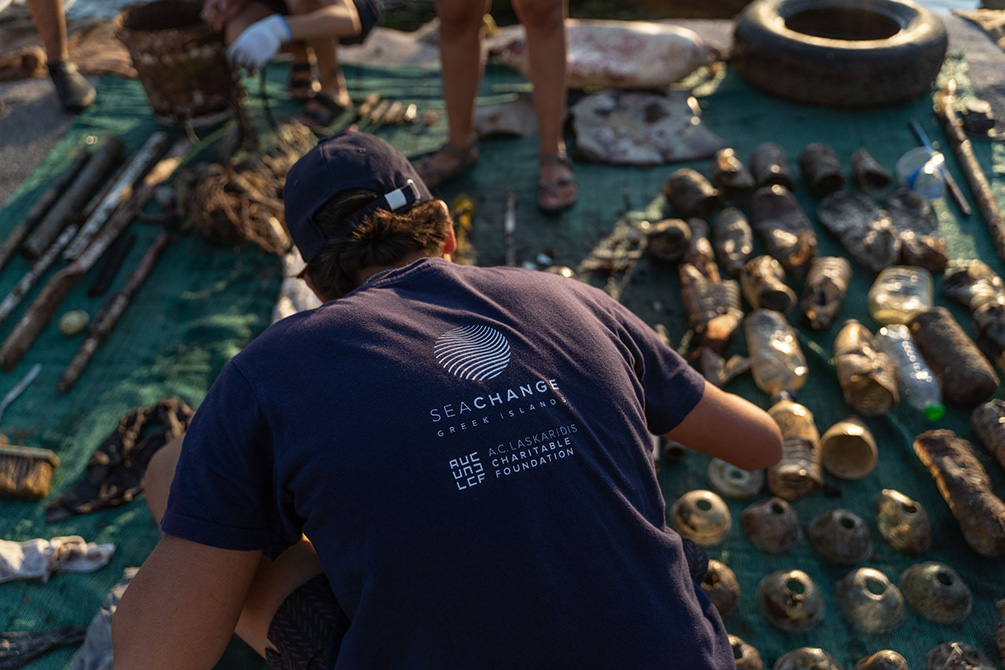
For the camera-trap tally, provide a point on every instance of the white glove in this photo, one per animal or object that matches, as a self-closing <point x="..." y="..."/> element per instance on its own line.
<point x="260" y="42"/>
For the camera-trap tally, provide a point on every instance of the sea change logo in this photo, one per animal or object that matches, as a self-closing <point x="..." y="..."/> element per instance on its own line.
<point x="475" y="353"/>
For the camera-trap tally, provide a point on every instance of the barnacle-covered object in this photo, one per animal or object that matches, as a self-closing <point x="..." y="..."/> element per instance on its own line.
<point x="790" y="600"/>
<point x="731" y="177"/>
<point x="701" y="516"/>
<point x="771" y="525"/>
<point x="902" y="522"/>
<point x="864" y="229"/>
<point x="821" y="169"/>
<point x="936" y="592"/>
<point x="763" y="282"/>
<point x="869" y="173"/>
<point x="869" y="602"/>
<point x="746" y="656"/>
<point x="957" y="656"/>
<point x="966" y="487"/>
<point x="848" y="449"/>
<point x="721" y="587"/>
<point x="734" y="482"/>
<point x="965" y="375"/>
<point x="699" y="250"/>
<point x="713" y="307"/>
<point x="840" y="536"/>
<point x="885" y="659"/>
<point x="988" y="423"/>
<point x="769" y="166"/>
<point x="989" y="331"/>
<point x="668" y="240"/>
<point x="690" y="193"/>
<point x="807" y="658"/>
<point x="867" y="376"/>
<point x="825" y="289"/>
<point x="921" y="243"/>
<point x="972" y="283"/>
<point x="787" y="232"/>
<point x="734" y="239"/>
<point x="798" y="472"/>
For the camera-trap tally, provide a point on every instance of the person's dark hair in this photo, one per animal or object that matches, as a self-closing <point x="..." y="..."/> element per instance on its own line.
<point x="383" y="239"/>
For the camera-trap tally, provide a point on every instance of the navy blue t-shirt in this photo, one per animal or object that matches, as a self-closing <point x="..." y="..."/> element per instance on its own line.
<point x="468" y="449"/>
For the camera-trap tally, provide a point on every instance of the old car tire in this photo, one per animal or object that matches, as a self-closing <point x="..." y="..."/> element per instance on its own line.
<point x="846" y="53"/>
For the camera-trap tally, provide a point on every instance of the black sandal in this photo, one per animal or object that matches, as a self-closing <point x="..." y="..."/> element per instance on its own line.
<point x="75" y="93"/>
<point x="320" y="119"/>
<point x="302" y="88"/>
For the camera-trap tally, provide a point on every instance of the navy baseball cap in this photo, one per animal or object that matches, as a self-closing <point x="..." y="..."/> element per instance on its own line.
<point x="343" y="162"/>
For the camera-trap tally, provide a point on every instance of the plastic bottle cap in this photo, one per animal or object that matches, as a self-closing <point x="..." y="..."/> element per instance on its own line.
<point x="935" y="411"/>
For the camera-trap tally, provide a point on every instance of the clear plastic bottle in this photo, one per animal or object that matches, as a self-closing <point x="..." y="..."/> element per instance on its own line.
<point x="921" y="170"/>
<point x="900" y="292"/>
<point x="777" y="362"/>
<point x="920" y="386"/>
<point x="798" y="472"/>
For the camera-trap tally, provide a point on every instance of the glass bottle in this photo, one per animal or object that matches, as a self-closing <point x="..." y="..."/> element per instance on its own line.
<point x="777" y="362"/>
<point x="900" y="292"/>
<point x="798" y="472"/>
<point x="920" y="386"/>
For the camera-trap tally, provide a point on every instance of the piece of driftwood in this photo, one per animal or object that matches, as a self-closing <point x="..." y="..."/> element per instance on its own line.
<point x="770" y="167"/>
<point x="111" y="313"/>
<point x="36" y="272"/>
<point x="87" y="182"/>
<point x="862" y="226"/>
<point x="966" y="488"/>
<point x="965" y="375"/>
<point x="825" y="289"/>
<point x="763" y="282"/>
<point x="821" y="169"/>
<point x="135" y="167"/>
<point x="987" y="204"/>
<point x="866" y="375"/>
<point x="734" y="239"/>
<point x="45" y="202"/>
<point x="921" y="243"/>
<point x="42" y="310"/>
<point x="787" y="232"/>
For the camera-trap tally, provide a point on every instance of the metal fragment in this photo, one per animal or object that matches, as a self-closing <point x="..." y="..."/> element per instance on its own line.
<point x="957" y="656"/>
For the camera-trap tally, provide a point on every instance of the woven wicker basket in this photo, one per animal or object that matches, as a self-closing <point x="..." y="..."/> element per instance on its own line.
<point x="181" y="62"/>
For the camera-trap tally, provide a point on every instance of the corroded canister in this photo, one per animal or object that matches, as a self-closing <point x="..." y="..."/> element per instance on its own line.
<point x="848" y="449"/>
<point x="957" y="656"/>
<point x="807" y="658"/>
<point x="769" y="165"/>
<point x="869" y="173"/>
<point x="691" y="194"/>
<point x="798" y="472"/>
<point x="936" y="592"/>
<point x="902" y="522"/>
<point x="721" y="587"/>
<point x="667" y="240"/>
<point x="790" y="600"/>
<point x="734" y="482"/>
<point x="840" y="536"/>
<point x="885" y="659"/>
<point x="701" y="516"/>
<point x="771" y="525"/>
<point x="731" y="177"/>
<point x="866" y="374"/>
<point x="734" y="239"/>
<point x="965" y="375"/>
<point x="745" y="655"/>
<point x="825" y="289"/>
<point x="869" y="602"/>
<point x="821" y="169"/>
<point x="763" y="281"/>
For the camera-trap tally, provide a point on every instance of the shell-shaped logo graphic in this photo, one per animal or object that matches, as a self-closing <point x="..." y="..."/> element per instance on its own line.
<point x="477" y="353"/>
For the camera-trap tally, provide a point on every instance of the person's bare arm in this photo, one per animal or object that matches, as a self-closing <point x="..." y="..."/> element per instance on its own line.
<point x="181" y="608"/>
<point x="726" y="426"/>
<point x="335" y="18"/>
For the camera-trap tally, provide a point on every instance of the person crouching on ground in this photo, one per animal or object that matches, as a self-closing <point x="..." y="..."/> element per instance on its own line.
<point x="466" y="448"/>
<point x="256" y="30"/>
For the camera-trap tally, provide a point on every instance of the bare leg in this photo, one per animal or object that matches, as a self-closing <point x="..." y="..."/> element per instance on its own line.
<point x="274" y="581"/>
<point x="51" y="25"/>
<point x="544" y="24"/>
<point x="342" y="21"/>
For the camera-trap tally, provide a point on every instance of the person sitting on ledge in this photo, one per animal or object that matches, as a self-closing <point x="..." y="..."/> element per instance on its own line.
<point x="256" y="30"/>
<point x="442" y="466"/>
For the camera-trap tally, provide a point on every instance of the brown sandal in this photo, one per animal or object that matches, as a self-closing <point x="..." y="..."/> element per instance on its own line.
<point x="546" y="187"/>
<point x="435" y="177"/>
<point x="302" y="84"/>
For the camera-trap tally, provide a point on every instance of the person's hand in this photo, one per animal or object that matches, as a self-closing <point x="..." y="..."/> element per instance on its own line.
<point x="218" y="12"/>
<point x="260" y="42"/>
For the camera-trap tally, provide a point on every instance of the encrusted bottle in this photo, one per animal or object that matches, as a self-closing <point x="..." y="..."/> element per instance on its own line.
<point x="900" y="292"/>
<point x="798" y="472"/>
<point x="917" y="381"/>
<point x="777" y="362"/>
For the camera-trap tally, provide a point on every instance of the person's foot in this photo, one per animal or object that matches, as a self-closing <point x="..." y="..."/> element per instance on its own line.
<point x="446" y="163"/>
<point x="303" y="85"/>
<point x="321" y="111"/>
<point x="556" y="185"/>
<point x="74" y="91"/>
